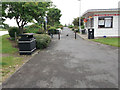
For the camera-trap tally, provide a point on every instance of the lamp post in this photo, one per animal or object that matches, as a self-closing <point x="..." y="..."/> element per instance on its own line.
<point x="79" y="16"/>
<point x="45" y="23"/>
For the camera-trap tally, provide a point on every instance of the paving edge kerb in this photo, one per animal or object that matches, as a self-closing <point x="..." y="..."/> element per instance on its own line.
<point x="35" y="53"/>
<point x="81" y="36"/>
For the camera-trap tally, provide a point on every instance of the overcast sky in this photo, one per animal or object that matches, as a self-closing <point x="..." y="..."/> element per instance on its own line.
<point x="70" y="8"/>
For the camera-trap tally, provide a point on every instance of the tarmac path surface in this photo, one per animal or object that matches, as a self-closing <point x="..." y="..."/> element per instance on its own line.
<point x="69" y="63"/>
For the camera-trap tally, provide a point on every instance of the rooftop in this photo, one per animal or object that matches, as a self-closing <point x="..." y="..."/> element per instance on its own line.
<point x="100" y="10"/>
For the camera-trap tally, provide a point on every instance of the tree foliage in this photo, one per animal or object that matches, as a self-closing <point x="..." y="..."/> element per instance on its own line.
<point x="76" y="21"/>
<point x="53" y="16"/>
<point x="20" y="11"/>
<point x="25" y="12"/>
<point x="40" y="11"/>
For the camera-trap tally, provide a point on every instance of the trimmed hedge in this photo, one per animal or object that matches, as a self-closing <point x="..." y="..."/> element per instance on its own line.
<point x="52" y="30"/>
<point x="12" y="31"/>
<point x="34" y="28"/>
<point x="76" y="30"/>
<point x="70" y="26"/>
<point x="42" y="40"/>
<point x="82" y="27"/>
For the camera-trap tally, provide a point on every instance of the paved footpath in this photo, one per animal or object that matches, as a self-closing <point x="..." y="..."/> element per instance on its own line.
<point x="69" y="63"/>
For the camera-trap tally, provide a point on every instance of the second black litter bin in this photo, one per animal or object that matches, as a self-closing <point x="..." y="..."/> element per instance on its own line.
<point x="27" y="44"/>
<point x="90" y="33"/>
<point x="83" y="31"/>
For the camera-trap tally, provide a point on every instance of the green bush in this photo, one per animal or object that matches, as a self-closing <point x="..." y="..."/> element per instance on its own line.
<point x="34" y="28"/>
<point x="12" y="31"/>
<point x="42" y="40"/>
<point x="41" y="32"/>
<point x="59" y="26"/>
<point x="82" y="27"/>
<point x="48" y="26"/>
<point x="76" y="30"/>
<point x="70" y="26"/>
<point x="72" y="29"/>
<point x="6" y="26"/>
<point x="52" y="30"/>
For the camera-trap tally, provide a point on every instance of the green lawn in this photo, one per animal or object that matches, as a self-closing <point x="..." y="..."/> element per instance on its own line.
<point x="10" y="60"/>
<point x="109" y="41"/>
<point x="1" y="29"/>
<point x="6" y="45"/>
<point x="9" y="63"/>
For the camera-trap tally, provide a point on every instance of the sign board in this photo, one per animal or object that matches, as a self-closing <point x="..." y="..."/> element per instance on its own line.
<point x="107" y="22"/>
<point x="101" y="22"/>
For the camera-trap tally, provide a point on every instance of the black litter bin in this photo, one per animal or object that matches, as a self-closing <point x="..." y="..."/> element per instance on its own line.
<point x="90" y="33"/>
<point x="83" y="31"/>
<point x="57" y="32"/>
<point x="27" y="44"/>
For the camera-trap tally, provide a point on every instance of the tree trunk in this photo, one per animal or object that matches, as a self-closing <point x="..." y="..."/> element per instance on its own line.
<point x="21" y="29"/>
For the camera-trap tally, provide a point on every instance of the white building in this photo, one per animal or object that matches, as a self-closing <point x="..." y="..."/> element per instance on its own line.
<point x="104" y="22"/>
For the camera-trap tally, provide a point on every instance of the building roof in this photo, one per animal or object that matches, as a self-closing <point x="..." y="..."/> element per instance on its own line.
<point x="101" y="10"/>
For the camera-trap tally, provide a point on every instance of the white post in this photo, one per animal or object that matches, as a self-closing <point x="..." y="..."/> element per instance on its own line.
<point x="79" y="16"/>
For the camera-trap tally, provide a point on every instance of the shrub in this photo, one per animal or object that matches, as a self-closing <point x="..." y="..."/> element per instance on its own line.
<point x="52" y="30"/>
<point x="6" y="26"/>
<point x="61" y="26"/>
<point x="40" y="31"/>
<point x="34" y="28"/>
<point x="12" y="31"/>
<point x="48" y="26"/>
<point x="82" y="27"/>
<point x="76" y="30"/>
<point x="70" y="26"/>
<point x="72" y="29"/>
<point x="42" y="40"/>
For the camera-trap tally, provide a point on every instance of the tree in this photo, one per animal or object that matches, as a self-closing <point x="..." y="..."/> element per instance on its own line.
<point x="20" y="11"/>
<point x="76" y="21"/>
<point x="40" y="11"/>
<point x="53" y="16"/>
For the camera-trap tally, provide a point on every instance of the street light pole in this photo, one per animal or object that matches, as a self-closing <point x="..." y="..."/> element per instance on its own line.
<point x="79" y="16"/>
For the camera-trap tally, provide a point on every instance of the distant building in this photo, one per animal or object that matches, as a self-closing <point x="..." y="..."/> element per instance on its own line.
<point x="104" y="22"/>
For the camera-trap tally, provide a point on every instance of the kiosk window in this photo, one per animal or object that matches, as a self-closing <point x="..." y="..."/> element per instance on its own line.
<point x="105" y="22"/>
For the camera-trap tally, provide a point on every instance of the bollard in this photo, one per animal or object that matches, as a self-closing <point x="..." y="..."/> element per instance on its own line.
<point x="75" y="34"/>
<point x="51" y="35"/>
<point x="59" y="35"/>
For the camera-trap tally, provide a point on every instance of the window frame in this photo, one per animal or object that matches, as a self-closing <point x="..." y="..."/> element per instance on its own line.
<point x="103" y="18"/>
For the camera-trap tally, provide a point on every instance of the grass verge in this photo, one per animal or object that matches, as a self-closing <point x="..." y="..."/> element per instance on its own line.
<point x="11" y="60"/>
<point x="1" y="29"/>
<point x="109" y="41"/>
<point x="9" y="65"/>
<point x="7" y="45"/>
